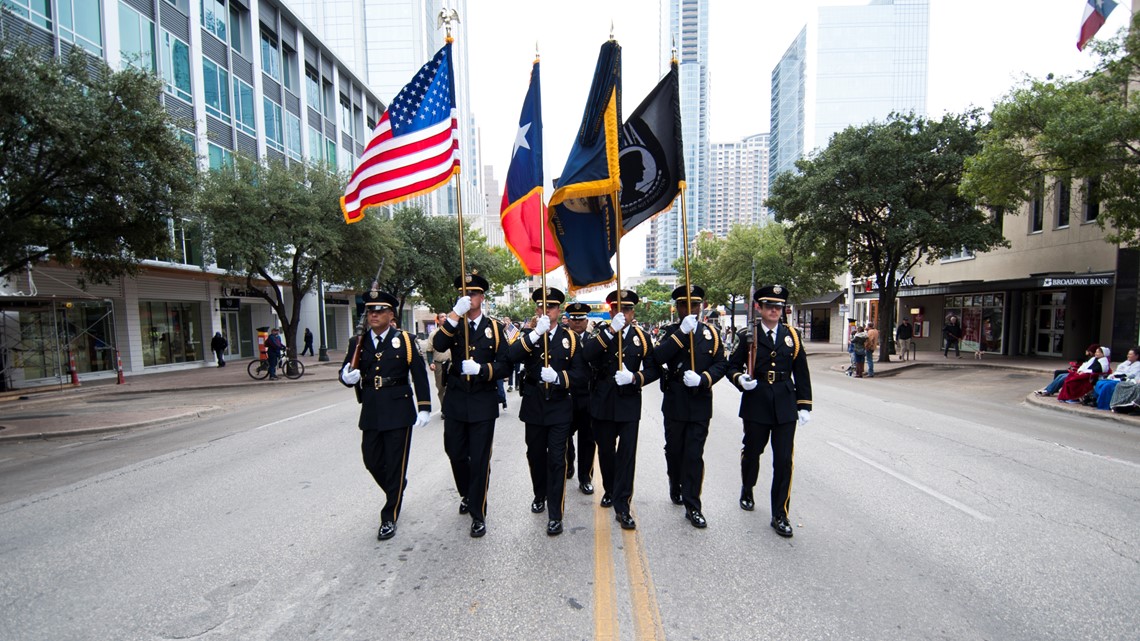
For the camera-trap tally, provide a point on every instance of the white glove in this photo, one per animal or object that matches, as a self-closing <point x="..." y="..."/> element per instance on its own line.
<point x="462" y="306"/>
<point x="548" y="375"/>
<point x="618" y="323"/>
<point x="470" y="368"/>
<point x="805" y="417"/>
<point x="422" y="419"/>
<point x="688" y="324"/>
<point x="748" y="383"/>
<point x="349" y="376"/>
<point x="691" y="378"/>
<point x="542" y="325"/>
<point x="623" y="377"/>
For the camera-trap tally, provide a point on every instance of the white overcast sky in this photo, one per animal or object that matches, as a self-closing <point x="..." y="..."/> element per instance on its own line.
<point x="979" y="49"/>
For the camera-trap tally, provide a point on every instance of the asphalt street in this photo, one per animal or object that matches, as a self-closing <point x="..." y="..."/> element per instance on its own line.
<point x="932" y="505"/>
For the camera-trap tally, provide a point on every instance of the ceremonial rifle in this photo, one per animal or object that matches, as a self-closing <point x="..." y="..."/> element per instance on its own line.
<point x="360" y="325"/>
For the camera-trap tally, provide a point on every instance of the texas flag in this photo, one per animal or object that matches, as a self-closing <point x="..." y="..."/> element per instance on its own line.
<point x="522" y="213"/>
<point x="1096" y="12"/>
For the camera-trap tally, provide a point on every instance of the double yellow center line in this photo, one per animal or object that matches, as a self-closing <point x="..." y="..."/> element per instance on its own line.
<point x="642" y="595"/>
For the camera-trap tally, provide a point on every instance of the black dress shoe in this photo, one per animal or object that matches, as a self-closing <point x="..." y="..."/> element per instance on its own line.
<point x="607" y="501"/>
<point x="586" y="488"/>
<point x="625" y="520"/>
<point x="538" y="506"/>
<point x="675" y="497"/>
<point x="554" y="528"/>
<point x="696" y="518"/>
<point x="387" y="531"/>
<point x="478" y="528"/>
<point x="570" y="471"/>
<point x="782" y="527"/>
<point x="746" y="502"/>
<point x="463" y="505"/>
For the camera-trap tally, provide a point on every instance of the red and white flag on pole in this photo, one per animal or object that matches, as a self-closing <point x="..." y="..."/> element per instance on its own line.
<point x="415" y="146"/>
<point x="1096" y="12"/>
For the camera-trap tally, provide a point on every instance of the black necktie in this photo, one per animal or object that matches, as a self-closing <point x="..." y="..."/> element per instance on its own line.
<point x="772" y="336"/>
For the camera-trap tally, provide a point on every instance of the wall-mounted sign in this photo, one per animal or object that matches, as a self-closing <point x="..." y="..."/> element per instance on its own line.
<point x="237" y="291"/>
<point x="229" y="304"/>
<point x="336" y="301"/>
<point x="1097" y="280"/>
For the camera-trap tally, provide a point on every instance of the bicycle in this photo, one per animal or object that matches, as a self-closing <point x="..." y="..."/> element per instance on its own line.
<point x="288" y="367"/>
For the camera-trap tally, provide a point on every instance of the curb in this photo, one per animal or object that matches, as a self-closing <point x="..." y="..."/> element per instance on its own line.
<point x="895" y="369"/>
<point x="1051" y="403"/>
<point x="174" y="418"/>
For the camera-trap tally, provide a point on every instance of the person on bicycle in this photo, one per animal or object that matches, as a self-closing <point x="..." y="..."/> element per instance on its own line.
<point x="274" y="347"/>
<point x="386" y="358"/>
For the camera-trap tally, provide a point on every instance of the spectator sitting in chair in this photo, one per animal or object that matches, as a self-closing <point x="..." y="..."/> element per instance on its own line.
<point x="1060" y="374"/>
<point x="1081" y="382"/>
<point x="1126" y="372"/>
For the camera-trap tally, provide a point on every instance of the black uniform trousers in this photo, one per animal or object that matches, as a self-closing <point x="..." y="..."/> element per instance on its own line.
<point x="617" y="456"/>
<point x="684" y="459"/>
<point x="783" y="436"/>
<point x="468" y="447"/>
<point x="582" y="425"/>
<point x="386" y="457"/>
<point x="546" y="456"/>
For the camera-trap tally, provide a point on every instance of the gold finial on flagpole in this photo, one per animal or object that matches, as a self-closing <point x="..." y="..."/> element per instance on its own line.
<point x="446" y="17"/>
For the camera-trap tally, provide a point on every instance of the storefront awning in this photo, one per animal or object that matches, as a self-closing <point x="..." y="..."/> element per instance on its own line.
<point x="826" y="299"/>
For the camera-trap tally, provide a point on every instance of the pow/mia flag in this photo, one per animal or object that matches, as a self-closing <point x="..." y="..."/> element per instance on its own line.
<point x="651" y="154"/>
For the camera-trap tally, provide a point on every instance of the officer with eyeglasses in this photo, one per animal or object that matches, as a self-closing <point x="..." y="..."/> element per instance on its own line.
<point x="775" y="395"/>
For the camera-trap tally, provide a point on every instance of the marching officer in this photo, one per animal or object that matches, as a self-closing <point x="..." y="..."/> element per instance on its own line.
<point x="578" y="316"/>
<point x="692" y="361"/>
<point x="615" y="402"/>
<point x="554" y="364"/>
<point x="774" y="396"/>
<point x="471" y="404"/>
<point x="387" y="412"/>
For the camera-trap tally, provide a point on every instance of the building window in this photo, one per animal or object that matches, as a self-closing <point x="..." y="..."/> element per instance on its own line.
<point x="187" y="238"/>
<point x="219" y="158"/>
<point x="1037" y="206"/>
<point x="345" y="160"/>
<point x="38" y="12"/>
<point x="293" y="136"/>
<point x="1092" y="199"/>
<point x="238" y="30"/>
<point x="171" y="332"/>
<point x="981" y="318"/>
<point x="270" y="56"/>
<point x="217" y="90"/>
<point x="289" y="69"/>
<point x="1064" y="201"/>
<point x="327" y="102"/>
<point x="274" y="136"/>
<point x="214" y="17"/>
<point x="961" y="254"/>
<point x="316" y="153"/>
<point x="136" y="39"/>
<point x="176" y="66"/>
<point x="345" y="116"/>
<point x="312" y="88"/>
<point x="330" y="153"/>
<point x="81" y="22"/>
<point x="244" y="117"/>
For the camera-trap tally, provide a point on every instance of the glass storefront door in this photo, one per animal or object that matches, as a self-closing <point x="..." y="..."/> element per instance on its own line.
<point x="231" y="332"/>
<point x="1049" y="330"/>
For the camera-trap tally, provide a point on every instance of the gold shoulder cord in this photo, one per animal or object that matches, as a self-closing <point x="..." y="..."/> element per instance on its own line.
<point x="495" y="330"/>
<point x="408" y="345"/>
<point x="795" y="339"/>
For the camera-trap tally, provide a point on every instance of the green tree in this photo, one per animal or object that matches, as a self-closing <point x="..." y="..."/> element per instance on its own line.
<point x="1084" y="130"/>
<point x="91" y="166"/>
<point x="272" y="224"/>
<point x="884" y="196"/>
<point x="655" y="303"/>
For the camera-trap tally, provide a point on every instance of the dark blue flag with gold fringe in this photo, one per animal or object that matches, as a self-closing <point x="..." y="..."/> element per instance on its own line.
<point x="582" y="211"/>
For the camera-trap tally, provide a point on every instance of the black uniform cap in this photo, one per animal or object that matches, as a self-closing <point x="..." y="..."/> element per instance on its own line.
<point x="578" y="311"/>
<point x="553" y="296"/>
<point x="772" y="294"/>
<point x="380" y="300"/>
<point x="629" y="297"/>
<point x="694" y="295"/>
<point x="475" y="283"/>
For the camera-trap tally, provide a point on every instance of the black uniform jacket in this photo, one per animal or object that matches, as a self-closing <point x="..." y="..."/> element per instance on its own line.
<point x="608" y="400"/>
<point x="384" y="389"/>
<point x="473" y="398"/>
<point x="581" y="390"/>
<point x="549" y="404"/>
<point x="782" y="372"/>
<point x="681" y="403"/>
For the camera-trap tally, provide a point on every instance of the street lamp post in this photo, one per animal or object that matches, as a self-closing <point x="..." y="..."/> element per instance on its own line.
<point x="323" y="354"/>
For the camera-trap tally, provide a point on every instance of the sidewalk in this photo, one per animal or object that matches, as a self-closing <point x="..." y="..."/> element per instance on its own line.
<point x="102" y="405"/>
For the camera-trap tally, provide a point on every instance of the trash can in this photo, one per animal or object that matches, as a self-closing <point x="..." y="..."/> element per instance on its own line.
<point x="262" y="351"/>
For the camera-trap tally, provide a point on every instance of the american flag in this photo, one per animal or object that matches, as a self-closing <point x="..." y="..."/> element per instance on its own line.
<point x="415" y="146"/>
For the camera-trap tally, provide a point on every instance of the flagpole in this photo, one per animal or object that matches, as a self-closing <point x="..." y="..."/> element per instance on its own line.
<point x="616" y="199"/>
<point x="445" y="18"/>
<point x="685" y="233"/>
<point x="542" y="259"/>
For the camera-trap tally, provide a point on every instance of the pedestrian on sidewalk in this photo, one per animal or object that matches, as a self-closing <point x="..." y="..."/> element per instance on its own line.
<point x="904" y="338"/>
<point x="387" y="412"/>
<point x="274" y="346"/>
<point x="953" y="335"/>
<point x="871" y="346"/>
<point x="219" y="344"/>
<point x="308" y="343"/>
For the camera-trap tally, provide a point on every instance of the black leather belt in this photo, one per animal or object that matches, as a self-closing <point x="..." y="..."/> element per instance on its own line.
<point x="773" y="376"/>
<point x="391" y="381"/>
